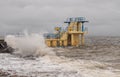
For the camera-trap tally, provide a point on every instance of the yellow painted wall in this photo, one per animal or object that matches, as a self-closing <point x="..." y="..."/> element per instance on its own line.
<point x="75" y="39"/>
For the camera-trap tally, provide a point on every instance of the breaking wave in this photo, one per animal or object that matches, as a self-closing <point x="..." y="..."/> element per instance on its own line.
<point x="28" y="45"/>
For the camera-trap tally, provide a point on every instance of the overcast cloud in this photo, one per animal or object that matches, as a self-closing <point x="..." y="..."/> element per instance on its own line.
<point x="44" y="15"/>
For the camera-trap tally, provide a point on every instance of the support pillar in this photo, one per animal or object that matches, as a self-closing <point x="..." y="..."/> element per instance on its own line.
<point x="82" y="39"/>
<point x="72" y="39"/>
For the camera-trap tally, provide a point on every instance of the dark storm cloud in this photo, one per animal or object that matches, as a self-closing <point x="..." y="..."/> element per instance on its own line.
<point x="39" y="15"/>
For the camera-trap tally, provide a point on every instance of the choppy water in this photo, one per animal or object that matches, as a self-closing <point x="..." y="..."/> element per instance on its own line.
<point x="53" y="66"/>
<point x="47" y="63"/>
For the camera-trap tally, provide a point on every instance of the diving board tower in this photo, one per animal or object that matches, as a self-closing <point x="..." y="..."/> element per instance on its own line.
<point x="76" y="31"/>
<point x="72" y="35"/>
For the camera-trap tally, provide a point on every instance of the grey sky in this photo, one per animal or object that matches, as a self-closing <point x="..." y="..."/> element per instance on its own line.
<point x="43" y="15"/>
